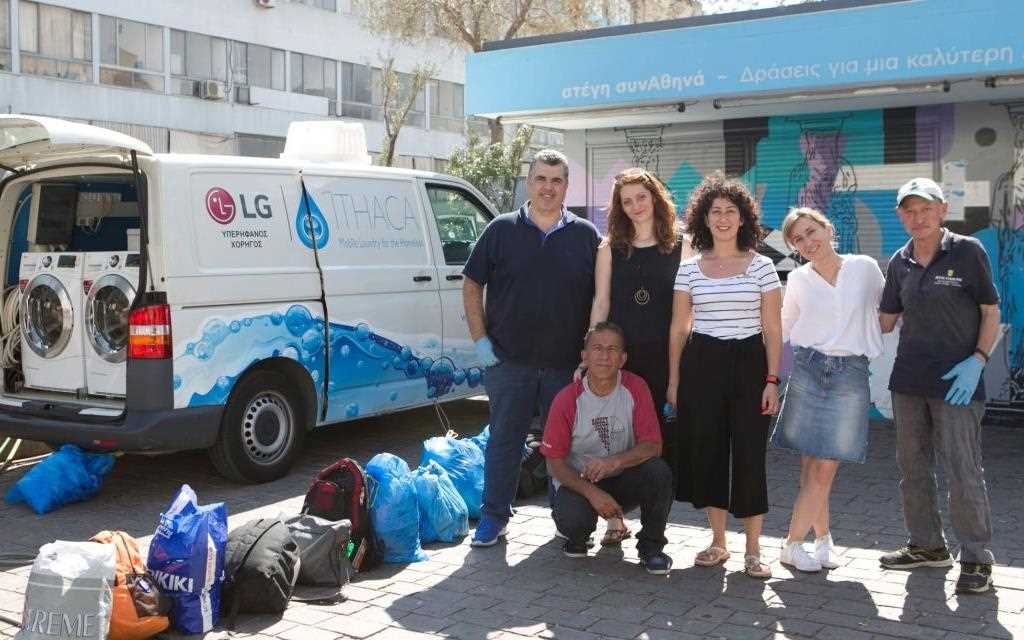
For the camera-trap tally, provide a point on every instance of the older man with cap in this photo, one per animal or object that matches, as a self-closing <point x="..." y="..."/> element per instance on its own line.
<point x="940" y="283"/>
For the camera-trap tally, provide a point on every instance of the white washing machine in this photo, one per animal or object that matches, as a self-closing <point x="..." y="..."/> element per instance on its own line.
<point x="51" y="321"/>
<point x="110" y="281"/>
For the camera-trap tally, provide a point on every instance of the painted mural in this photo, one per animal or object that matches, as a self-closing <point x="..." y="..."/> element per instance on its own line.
<point x="849" y="165"/>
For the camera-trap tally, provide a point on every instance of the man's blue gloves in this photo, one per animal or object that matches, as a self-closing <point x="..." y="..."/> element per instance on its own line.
<point x="485" y="352"/>
<point x="965" y="376"/>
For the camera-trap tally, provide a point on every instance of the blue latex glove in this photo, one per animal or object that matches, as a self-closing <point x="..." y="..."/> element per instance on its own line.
<point x="965" y="376"/>
<point x="668" y="412"/>
<point x="485" y="352"/>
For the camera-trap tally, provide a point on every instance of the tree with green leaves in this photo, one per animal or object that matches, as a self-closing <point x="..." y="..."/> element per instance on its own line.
<point x="493" y="167"/>
<point x="398" y="96"/>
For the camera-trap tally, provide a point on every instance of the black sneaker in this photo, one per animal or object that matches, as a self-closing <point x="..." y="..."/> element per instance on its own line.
<point x="656" y="563"/>
<point x="574" y="549"/>
<point x="974" y="578"/>
<point x="912" y="556"/>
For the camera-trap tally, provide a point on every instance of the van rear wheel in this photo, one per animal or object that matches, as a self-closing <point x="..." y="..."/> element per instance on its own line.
<point x="262" y="431"/>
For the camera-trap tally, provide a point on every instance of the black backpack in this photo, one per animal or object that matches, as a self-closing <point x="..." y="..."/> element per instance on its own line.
<point x="261" y="566"/>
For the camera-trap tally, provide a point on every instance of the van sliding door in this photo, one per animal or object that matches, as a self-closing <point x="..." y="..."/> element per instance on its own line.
<point x="381" y="292"/>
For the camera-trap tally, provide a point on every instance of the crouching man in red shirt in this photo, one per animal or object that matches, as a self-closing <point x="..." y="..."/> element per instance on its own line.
<point x="603" y="446"/>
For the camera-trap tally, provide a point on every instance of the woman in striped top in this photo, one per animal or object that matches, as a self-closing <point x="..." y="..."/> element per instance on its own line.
<point x="724" y="383"/>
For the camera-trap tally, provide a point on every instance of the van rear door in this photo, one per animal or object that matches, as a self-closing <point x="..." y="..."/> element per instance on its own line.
<point x="381" y="291"/>
<point x="31" y="142"/>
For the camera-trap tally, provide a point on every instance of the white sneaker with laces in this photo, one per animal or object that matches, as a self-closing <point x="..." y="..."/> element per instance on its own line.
<point x="825" y="552"/>
<point x="795" y="556"/>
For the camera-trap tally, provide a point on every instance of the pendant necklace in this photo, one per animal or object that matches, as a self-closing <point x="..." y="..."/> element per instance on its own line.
<point x="641" y="296"/>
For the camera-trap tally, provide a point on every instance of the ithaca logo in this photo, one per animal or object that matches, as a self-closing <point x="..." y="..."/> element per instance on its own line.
<point x="171" y="582"/>
<point x="221" y="205"/>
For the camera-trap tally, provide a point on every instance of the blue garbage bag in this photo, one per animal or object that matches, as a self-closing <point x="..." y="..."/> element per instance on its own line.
<point x="394" y="512"/>
<point x="444" y="516"/>
<point x="67" y="475"/>
<point x="186" y="556"/>
<point x="480" y="439"/>
<point x="463" y="459"/>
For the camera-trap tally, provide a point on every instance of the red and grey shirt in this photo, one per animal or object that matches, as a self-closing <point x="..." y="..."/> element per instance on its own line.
<point x="584" y="425"/>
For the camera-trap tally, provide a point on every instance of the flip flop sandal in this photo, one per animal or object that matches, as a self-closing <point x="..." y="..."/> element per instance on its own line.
<point x="753" y="567"/>
<point x="614" y="537"/>
<point x="711" y="557"/>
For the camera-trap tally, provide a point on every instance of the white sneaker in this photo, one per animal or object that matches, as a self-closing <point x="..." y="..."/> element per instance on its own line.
<point x="795" y="556"/>
<point x="825" y="552"/>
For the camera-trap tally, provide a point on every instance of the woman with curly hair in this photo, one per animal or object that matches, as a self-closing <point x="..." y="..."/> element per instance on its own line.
<point x="633" y="280"/>
<point x="725" y="344"/>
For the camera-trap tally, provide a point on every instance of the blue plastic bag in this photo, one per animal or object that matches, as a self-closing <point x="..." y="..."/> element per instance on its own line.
<point x="67" y="475"/>
<point x="463" y="459"/>
<point x="444" y="516"/>
<point x="186" y="556"/>
<point x="481" y="439"/>
<point x="393" y="509"/>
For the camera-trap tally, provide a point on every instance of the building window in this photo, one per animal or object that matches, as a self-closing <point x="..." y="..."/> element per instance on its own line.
<point x="195" y="56"/>
<point x="360" y="92"/>
<point x="314" y="75"/>
<point x="5" y="35"/>
<point x="265" y="67"/>
<point x="55" y="41"/>
<point x="446" y="111"/>
<point x="131" y="54"/>
<point x="329" y="5"/>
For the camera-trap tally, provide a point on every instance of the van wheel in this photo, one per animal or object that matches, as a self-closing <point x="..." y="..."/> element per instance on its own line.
<point x="262" y="430"/>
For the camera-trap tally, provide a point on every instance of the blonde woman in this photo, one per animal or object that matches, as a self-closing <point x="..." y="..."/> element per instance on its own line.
<point x="830" y="317"/>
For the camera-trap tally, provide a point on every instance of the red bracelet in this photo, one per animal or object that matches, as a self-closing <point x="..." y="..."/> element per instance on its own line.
<point x="770" y="379"/>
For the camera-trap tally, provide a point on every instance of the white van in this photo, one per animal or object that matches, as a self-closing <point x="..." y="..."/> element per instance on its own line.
<point x="270" y="296"/>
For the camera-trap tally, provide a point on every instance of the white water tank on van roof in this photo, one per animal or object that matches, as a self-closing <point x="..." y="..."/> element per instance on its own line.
<point x="326" y="141"/>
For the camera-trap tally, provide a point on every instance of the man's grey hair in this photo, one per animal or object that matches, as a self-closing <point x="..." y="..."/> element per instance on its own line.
<point x="551" y="157"/>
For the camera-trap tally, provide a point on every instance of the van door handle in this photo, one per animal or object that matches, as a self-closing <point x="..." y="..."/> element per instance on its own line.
<point x="421" y="278"/>
<point x="453" y="276"/>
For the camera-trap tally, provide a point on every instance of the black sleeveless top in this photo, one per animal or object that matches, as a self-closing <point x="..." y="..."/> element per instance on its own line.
<point x="641" y="293"/>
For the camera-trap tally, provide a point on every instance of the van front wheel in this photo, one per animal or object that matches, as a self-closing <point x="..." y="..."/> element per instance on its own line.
<point x="262" y="430"/>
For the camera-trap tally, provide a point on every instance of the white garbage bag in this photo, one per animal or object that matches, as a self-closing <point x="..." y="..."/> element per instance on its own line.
<point x="69" y="592"/>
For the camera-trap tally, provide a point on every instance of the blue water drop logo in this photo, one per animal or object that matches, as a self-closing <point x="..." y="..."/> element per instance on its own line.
<point x="310" y="224"/>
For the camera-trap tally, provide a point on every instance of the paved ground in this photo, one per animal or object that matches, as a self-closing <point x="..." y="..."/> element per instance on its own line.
<point x="526" y="588"/>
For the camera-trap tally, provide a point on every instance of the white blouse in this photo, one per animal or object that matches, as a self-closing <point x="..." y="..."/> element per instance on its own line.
<point x="840" y="320"/>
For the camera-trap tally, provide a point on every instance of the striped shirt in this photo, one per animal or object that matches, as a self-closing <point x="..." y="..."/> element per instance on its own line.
<point x="727" y="308"/>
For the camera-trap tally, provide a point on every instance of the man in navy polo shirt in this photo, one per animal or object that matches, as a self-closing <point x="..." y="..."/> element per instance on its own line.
<point x="537" y="265"/>
<point x="941" y="284"/>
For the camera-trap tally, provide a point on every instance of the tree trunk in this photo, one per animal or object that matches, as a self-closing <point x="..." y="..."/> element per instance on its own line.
<point x="388" y="157"/>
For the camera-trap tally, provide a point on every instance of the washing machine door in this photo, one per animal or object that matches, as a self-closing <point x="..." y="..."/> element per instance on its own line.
<point x="106" y="316"/>
<point x="47" y="318"/>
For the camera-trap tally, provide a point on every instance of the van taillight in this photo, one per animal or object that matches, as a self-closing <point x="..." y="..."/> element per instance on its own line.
<point x="150" y="332"/>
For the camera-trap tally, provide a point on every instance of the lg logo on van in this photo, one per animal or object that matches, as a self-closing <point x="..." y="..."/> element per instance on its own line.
<point x="221" y="206"/>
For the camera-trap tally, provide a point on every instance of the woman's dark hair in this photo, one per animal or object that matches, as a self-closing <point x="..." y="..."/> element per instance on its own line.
<point x="703" y="195"/>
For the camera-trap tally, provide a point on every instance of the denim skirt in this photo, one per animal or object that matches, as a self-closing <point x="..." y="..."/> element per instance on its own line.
<point x="825" y="411"/>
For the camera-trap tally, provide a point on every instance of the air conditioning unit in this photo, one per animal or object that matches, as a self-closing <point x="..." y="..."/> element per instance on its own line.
<point x="334" y="108"/>
<point x="245" y="95"/>
<point x="208" y="90"/>
<point x="266" y="4"/>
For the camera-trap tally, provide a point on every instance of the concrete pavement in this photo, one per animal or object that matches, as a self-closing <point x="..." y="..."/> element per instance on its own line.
<point x="525" y="588"/>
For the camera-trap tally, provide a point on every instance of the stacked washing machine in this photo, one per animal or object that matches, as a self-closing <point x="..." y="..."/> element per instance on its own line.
<point x="51" y="321"/>
<point x="74" y="320"/>
<point x="110" y="281"/>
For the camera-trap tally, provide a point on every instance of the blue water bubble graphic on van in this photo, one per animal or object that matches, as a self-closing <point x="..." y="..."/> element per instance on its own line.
<point x="310" y="224"/>
<point x="368" y="373"/>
